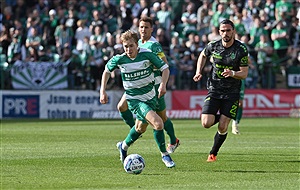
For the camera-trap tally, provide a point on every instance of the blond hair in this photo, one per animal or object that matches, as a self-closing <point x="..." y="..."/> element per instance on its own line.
<point x="128" y="35"/>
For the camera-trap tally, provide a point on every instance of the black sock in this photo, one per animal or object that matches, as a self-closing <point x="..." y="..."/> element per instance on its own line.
<point x="218" y="141"/>
<point x="217" y="118"/>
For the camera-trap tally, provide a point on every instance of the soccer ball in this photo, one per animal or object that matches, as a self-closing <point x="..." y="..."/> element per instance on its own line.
<point x="134" y="164"/>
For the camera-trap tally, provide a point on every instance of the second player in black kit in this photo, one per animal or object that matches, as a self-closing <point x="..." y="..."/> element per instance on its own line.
<point x="229" y="59"/>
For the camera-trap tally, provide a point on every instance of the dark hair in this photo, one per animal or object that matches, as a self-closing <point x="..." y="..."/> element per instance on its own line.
<point x="146" y="19"/>
<point x="227" y="21"/>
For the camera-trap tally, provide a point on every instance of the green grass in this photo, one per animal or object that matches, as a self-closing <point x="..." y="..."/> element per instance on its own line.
<point x="79" y="154"/>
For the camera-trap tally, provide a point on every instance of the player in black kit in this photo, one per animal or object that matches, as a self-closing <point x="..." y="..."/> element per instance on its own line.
<point x="229" y="59"/>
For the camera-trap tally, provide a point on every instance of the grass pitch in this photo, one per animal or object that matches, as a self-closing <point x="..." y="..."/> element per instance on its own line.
<point x="78" y="154"/>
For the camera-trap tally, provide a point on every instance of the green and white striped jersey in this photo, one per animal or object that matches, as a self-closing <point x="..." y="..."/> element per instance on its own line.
<point x="137" y="74"/>
<point x="153" y="45"/>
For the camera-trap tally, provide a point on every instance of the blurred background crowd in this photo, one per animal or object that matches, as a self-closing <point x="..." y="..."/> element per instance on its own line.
<point x="84" y="34"/>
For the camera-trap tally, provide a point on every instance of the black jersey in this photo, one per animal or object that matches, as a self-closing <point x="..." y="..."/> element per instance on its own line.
<point x="225" y="58"/>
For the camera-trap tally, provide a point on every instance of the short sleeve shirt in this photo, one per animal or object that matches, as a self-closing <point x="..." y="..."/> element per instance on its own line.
<point x="232" y="58"/>
<point x="137" y="74"/>
<point x="153" y="45"/>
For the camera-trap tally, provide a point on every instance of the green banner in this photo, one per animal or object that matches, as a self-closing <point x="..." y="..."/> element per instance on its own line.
<point x="39" y="75"/>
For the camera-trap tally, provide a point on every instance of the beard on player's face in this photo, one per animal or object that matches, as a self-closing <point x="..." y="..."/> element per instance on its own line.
<point x="227" y="38"/>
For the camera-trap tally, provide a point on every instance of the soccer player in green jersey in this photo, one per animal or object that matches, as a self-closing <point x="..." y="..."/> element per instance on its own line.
<point x="136" y="66"/>
<point x="149" y="42"/>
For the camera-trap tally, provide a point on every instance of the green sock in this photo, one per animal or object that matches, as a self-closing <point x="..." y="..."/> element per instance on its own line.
<point x="128" y="118"/>
<point x="132" y="136"/>
<point x="168" y="126"/>
<point x="239" y="114"/>
<point x="159" y="137"/>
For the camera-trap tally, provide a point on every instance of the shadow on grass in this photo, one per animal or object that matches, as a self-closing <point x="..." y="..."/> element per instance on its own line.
<point x="254" y="171"/>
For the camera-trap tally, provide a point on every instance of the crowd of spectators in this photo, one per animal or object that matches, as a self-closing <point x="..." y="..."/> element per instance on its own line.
<point x="85" y="34"/>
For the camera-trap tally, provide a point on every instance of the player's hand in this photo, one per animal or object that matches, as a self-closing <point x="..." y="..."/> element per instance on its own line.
<point x="197" y="77"/>
<point x="103" y="98"/>
<point x="227" y="73"/>
<point x="162" y="90"/>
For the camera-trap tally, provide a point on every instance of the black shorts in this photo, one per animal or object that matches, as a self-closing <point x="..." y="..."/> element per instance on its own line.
<point x="227" y="107"/>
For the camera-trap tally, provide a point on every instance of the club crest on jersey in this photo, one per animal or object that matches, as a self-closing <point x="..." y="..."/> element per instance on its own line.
<point x="122" y="68"/>
<point x="232" y="56"/>
<point x="146" y="64"/>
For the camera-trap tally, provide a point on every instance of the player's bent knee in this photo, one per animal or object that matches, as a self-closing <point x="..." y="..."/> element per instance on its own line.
<point x="122" y="106"/>
<point x="207" y="120"/>
<point x="141" y="128"/>
<point x="206" y="124"/>
<point x="158" y="125"/>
